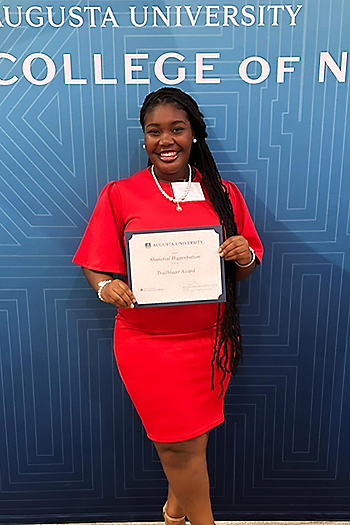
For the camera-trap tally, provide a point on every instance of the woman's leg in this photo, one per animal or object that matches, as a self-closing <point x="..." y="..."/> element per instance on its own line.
<point x="185" y="466"/>
<point x="173" y="507"/>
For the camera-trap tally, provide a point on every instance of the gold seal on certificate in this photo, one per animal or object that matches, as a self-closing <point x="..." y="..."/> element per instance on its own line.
<point x="167" y="267"/>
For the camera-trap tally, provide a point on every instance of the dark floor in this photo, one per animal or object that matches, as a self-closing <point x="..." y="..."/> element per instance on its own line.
<point x="227" y="523"/>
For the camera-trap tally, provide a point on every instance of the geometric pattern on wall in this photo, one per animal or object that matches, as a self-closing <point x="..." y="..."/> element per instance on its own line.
<point x="72" y="446"/>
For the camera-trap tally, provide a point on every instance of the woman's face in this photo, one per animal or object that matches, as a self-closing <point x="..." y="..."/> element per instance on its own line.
<point x="168" y="141"/>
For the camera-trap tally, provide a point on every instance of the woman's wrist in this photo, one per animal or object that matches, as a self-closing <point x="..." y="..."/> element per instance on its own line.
<point x="101" y="285"/>
<point x="250" y="263"/>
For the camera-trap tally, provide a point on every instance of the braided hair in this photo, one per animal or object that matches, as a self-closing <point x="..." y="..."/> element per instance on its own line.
<point x="227" y="350"/>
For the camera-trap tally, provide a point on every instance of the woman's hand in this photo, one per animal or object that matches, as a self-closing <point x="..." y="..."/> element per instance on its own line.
<point x="236" y="248"/>
<point x="118" y="293"/>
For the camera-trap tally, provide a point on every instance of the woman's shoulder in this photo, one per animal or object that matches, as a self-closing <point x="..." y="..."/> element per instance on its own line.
<point x="125" y="184"/>
<point x="234" y="192"/>
<point x="133" y="180"/>
<point x="231" y="186"/>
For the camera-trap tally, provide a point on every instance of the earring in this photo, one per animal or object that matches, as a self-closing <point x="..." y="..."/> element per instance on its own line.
<point x="144" y="146"/>
<point x="194" y="141"/>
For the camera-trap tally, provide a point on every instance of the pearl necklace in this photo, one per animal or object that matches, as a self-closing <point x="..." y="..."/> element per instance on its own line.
<point x="175" y="201"/>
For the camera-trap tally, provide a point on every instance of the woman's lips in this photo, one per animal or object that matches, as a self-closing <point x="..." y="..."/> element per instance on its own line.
<point x="168" y="156"/>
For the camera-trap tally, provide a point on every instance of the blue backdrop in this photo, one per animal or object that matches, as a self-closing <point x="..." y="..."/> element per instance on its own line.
<point x="72" y="446"/>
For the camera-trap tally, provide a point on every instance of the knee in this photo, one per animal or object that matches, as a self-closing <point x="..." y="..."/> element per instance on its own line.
<point x="170" y="449"/>
<point x="175" y="455"/>
<point x="182" y="449"/>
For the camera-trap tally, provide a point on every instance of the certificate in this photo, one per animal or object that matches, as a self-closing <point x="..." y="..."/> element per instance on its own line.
<point x="167" y="267"/>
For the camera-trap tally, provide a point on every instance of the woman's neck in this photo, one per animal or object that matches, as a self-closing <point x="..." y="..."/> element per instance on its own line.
<point x="176" y="178"/>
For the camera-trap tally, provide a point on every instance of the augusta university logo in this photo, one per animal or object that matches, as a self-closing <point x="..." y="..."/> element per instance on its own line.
<point x="148" y="245"/>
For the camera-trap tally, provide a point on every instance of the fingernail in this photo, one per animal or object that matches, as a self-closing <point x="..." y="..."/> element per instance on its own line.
<point x="132" y="305"/>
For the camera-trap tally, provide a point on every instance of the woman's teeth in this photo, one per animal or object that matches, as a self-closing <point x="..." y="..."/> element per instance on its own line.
<point x="169" y="155"/>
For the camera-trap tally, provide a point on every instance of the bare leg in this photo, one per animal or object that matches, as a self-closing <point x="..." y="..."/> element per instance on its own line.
<point x="185" y="466"/>
<point x="173" y="507"/>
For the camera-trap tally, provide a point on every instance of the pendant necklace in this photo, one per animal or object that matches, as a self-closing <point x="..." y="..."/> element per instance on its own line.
<point x="186" y="192"/>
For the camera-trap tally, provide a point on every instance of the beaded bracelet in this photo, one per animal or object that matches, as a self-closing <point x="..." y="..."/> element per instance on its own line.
<point x="101" y="285"/>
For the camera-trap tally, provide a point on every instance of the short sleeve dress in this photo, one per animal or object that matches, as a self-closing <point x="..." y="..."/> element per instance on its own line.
<point x="163" y="353"/>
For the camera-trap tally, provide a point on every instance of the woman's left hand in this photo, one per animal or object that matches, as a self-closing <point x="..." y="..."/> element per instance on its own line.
<point x="236" y="248"/>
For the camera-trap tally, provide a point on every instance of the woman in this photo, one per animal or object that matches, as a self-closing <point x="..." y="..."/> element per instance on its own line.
<point x="175" y="361"/>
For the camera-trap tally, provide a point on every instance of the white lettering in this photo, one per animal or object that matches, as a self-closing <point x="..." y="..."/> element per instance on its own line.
<point x="13" y="79"/>
<point x="275" y="12"/>
<point x="178" y="16"/>
<point x="50" y="66"/>
<point x="98" y="72"/>
<point x="252" y="70"/>
<point x="225" y="15"/>
<point x="231" y="16"/>
<point x="67" y="69"/>
<point x="293" y="14"/>
<point x="261" y="15"/>
<point x="39" y="18"/>
<point x="50" y="17"/>
<point x="327" y="59"/>
<point x="133" y="16"/>
<point x="190" y="16"/>
<point x="200" y="67"/>
<point x="91" y="10"/>
<point x="158" y="69"/>
<point x="248" y="15"/>
<point x="265" y="70"/>
<point x="109" y="17"/>
<point x="6" y="9"/>
<point x="129" y="68"/>
<point x="157" y="11"/>
<point x="281" y="67"/>
<point x="211" y="15"/>
<point x="73" y="15"/>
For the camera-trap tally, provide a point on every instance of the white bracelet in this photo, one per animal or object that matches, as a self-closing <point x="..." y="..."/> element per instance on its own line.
<point x="101" y="285"/>
<point x="250" y="263"/>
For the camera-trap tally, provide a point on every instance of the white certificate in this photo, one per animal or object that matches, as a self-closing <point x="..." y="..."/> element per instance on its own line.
<point x="175" y="266"/>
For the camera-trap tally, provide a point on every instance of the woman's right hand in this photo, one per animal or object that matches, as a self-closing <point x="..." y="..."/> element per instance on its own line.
<point x="118" y="293"/>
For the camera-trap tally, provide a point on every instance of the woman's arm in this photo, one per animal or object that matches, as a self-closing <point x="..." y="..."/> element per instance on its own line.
<point x="237" y="249"/>
<point x="116" y="292"/>
<point x="243" y="273"/>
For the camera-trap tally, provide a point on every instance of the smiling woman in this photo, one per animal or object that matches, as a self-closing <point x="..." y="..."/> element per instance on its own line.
<point x="168" y="142"/>
<point x="175" y="361"/>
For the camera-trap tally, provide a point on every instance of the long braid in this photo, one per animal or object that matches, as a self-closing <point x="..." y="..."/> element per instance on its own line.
<point x="227" y="350"/>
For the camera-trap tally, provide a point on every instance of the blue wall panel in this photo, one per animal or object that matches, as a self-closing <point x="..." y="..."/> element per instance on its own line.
<point x="72" y="446"/>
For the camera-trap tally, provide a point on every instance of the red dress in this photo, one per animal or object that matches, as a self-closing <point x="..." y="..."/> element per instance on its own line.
<point x="163" y="353"/>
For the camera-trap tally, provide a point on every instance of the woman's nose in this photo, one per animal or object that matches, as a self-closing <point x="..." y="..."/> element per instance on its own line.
<point x="166" y="139"/>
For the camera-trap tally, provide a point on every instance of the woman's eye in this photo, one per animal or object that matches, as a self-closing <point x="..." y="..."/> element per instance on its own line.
<point x="153" y="131"/>
<point x="177" y="130"/>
